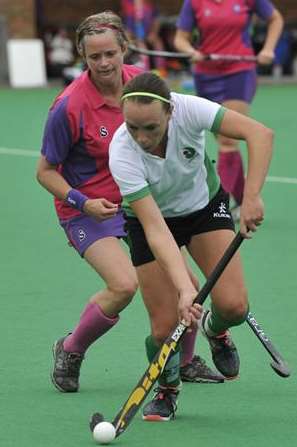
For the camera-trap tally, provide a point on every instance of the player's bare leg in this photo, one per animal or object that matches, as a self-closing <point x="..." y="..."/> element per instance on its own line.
<point x="109" y="260"/>
<point x="229" y="298"/>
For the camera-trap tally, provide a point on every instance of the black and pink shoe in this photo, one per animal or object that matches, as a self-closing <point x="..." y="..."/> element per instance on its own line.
<point x="163" y="405"/>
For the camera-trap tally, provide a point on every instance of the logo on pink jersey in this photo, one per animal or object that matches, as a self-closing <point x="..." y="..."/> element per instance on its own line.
<point x="236" y="8"/>
<point x="103" y="131"/>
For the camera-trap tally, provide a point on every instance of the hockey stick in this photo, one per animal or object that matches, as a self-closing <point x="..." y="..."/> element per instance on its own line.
<point x="142" y="389"/>
<point x="278" y="363"/>
<point x="177" y="55"/>
<point x="145" y="384"/>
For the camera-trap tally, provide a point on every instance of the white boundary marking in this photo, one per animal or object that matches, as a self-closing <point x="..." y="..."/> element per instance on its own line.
<point x="32" y="153"/>
<point x="18" y="152"/>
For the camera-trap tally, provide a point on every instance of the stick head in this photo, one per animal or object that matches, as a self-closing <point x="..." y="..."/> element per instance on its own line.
<point x="95" y="419"/>
<point x="280" y="368"/>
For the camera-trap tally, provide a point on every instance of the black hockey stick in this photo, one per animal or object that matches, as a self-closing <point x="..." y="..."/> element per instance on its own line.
<point x="178" y="55"/>
<point x="278" y="363"/>
<point x="145" y="384"/>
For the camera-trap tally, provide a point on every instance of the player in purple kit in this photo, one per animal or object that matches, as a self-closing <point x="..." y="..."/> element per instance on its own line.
<point x="223" y="27"/>
<point x="141" y="20"/>
<point x="74" y="167"/>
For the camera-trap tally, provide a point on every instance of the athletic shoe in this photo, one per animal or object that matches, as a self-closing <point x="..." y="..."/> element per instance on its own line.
<point x="65" y="375"/>
<point x="223" y="350"/>
<point x="163" y="406"/>
<point x="235" y="213"/>
<point x="198" y="372"/>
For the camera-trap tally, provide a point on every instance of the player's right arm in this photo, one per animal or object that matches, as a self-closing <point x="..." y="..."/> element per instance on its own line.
<point x="51" y="179"/>
<point x="183" y="37"/>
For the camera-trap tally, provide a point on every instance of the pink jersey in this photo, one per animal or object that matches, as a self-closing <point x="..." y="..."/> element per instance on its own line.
<point x="223" y="29"/>
<point x="77" y="135"/>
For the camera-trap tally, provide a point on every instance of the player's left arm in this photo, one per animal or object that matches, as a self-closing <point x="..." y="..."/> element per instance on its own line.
<point x="275" y="25"/>
<point x="259" y="140"/>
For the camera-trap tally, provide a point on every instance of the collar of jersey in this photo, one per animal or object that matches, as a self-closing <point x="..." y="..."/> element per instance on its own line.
<point x="95" y="98"/>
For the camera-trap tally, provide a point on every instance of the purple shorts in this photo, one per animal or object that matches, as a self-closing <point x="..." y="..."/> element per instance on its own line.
<point x="83" y="231"/>
<point x="220" y="88"/>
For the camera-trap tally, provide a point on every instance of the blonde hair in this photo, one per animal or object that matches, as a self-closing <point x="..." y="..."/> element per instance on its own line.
<point x="98" y="24"/>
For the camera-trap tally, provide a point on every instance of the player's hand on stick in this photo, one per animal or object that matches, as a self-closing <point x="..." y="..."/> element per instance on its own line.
<point x="100" y="209"/>
<point x="251" y="215"/>
<point x="196" y="56"/>
<point x="189" y="313"/>
<point x="265" y="57"/>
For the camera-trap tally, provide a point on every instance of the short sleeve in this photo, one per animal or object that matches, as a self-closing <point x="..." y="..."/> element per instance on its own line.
<point x="264" y="9"/>
<point x="199" y="113"/>
<point x="186" y="19"/>
<point x="126" y="164"/>
<point x="57" y="137"/>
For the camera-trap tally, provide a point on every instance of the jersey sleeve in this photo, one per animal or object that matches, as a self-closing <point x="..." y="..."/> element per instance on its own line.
<point x="264" y="9"/>
<point x="186" y="19"/>
<point x="57" y="137"/>
<point x="201" y="114"/>
<point x="127" y="167"/>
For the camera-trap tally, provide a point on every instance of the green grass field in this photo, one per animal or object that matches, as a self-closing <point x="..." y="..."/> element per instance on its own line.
<point x="44" y="286"/>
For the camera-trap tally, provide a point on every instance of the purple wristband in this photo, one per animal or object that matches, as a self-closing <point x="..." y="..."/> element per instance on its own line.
<point x="76" y="199"/>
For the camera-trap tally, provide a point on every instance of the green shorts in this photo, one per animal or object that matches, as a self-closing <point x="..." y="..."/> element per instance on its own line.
<point x="215" y="216"/>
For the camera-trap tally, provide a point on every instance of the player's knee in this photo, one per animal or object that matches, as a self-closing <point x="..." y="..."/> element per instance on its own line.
<point x="124" y="290"/>
<point x="239" y="314"/>
<point x="237" y="309"/>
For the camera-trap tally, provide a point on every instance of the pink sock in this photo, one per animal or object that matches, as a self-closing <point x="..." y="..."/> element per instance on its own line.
<point x="188" y="346"/>
<point x="93" y="324"/>
<point x="230" y="169"/>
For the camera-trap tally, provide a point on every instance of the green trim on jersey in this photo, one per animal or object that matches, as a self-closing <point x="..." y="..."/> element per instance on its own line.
<point x="218" y="120"/>
<point x="213" y="181"/>
<point x="132" y="197"/>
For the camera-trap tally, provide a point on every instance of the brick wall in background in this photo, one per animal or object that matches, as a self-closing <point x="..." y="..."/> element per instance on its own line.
<point x="69" y="13"/>
<point x="20" y="17"/>
<point x="288" y="8"/>
<point x="26" y="18"/>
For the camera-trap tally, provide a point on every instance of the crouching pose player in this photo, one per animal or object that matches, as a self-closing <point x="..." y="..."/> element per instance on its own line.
<point x="172" y="198"/>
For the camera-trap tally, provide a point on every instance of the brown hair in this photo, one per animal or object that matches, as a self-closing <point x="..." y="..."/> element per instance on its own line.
<point x="148" y="83"/>
<point x="98" y="24"/>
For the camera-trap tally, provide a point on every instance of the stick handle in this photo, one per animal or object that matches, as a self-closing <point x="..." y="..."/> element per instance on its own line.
<point x="230" y="57"/>
<point x="178" y="55"/>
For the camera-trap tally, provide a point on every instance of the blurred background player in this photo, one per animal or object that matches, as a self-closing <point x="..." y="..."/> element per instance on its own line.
<point x="223" y="27"/>
<point x="142" y="22"/>
<point x="74" y="168"/>
<point x="60" y="53"/>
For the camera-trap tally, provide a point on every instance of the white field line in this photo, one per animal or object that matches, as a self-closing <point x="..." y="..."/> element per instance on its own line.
<point x="19" y="152"/>
<point x="274" y="179"/>
<point x="32" y="153"/>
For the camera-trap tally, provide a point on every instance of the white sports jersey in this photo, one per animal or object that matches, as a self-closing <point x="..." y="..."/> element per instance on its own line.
<point x="185" y="180"/>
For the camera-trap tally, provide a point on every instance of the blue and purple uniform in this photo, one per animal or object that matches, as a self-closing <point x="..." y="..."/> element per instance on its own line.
<point x="77" y="135"/>
<point x="138" y="20"/>
<point x="224" y="29"/>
